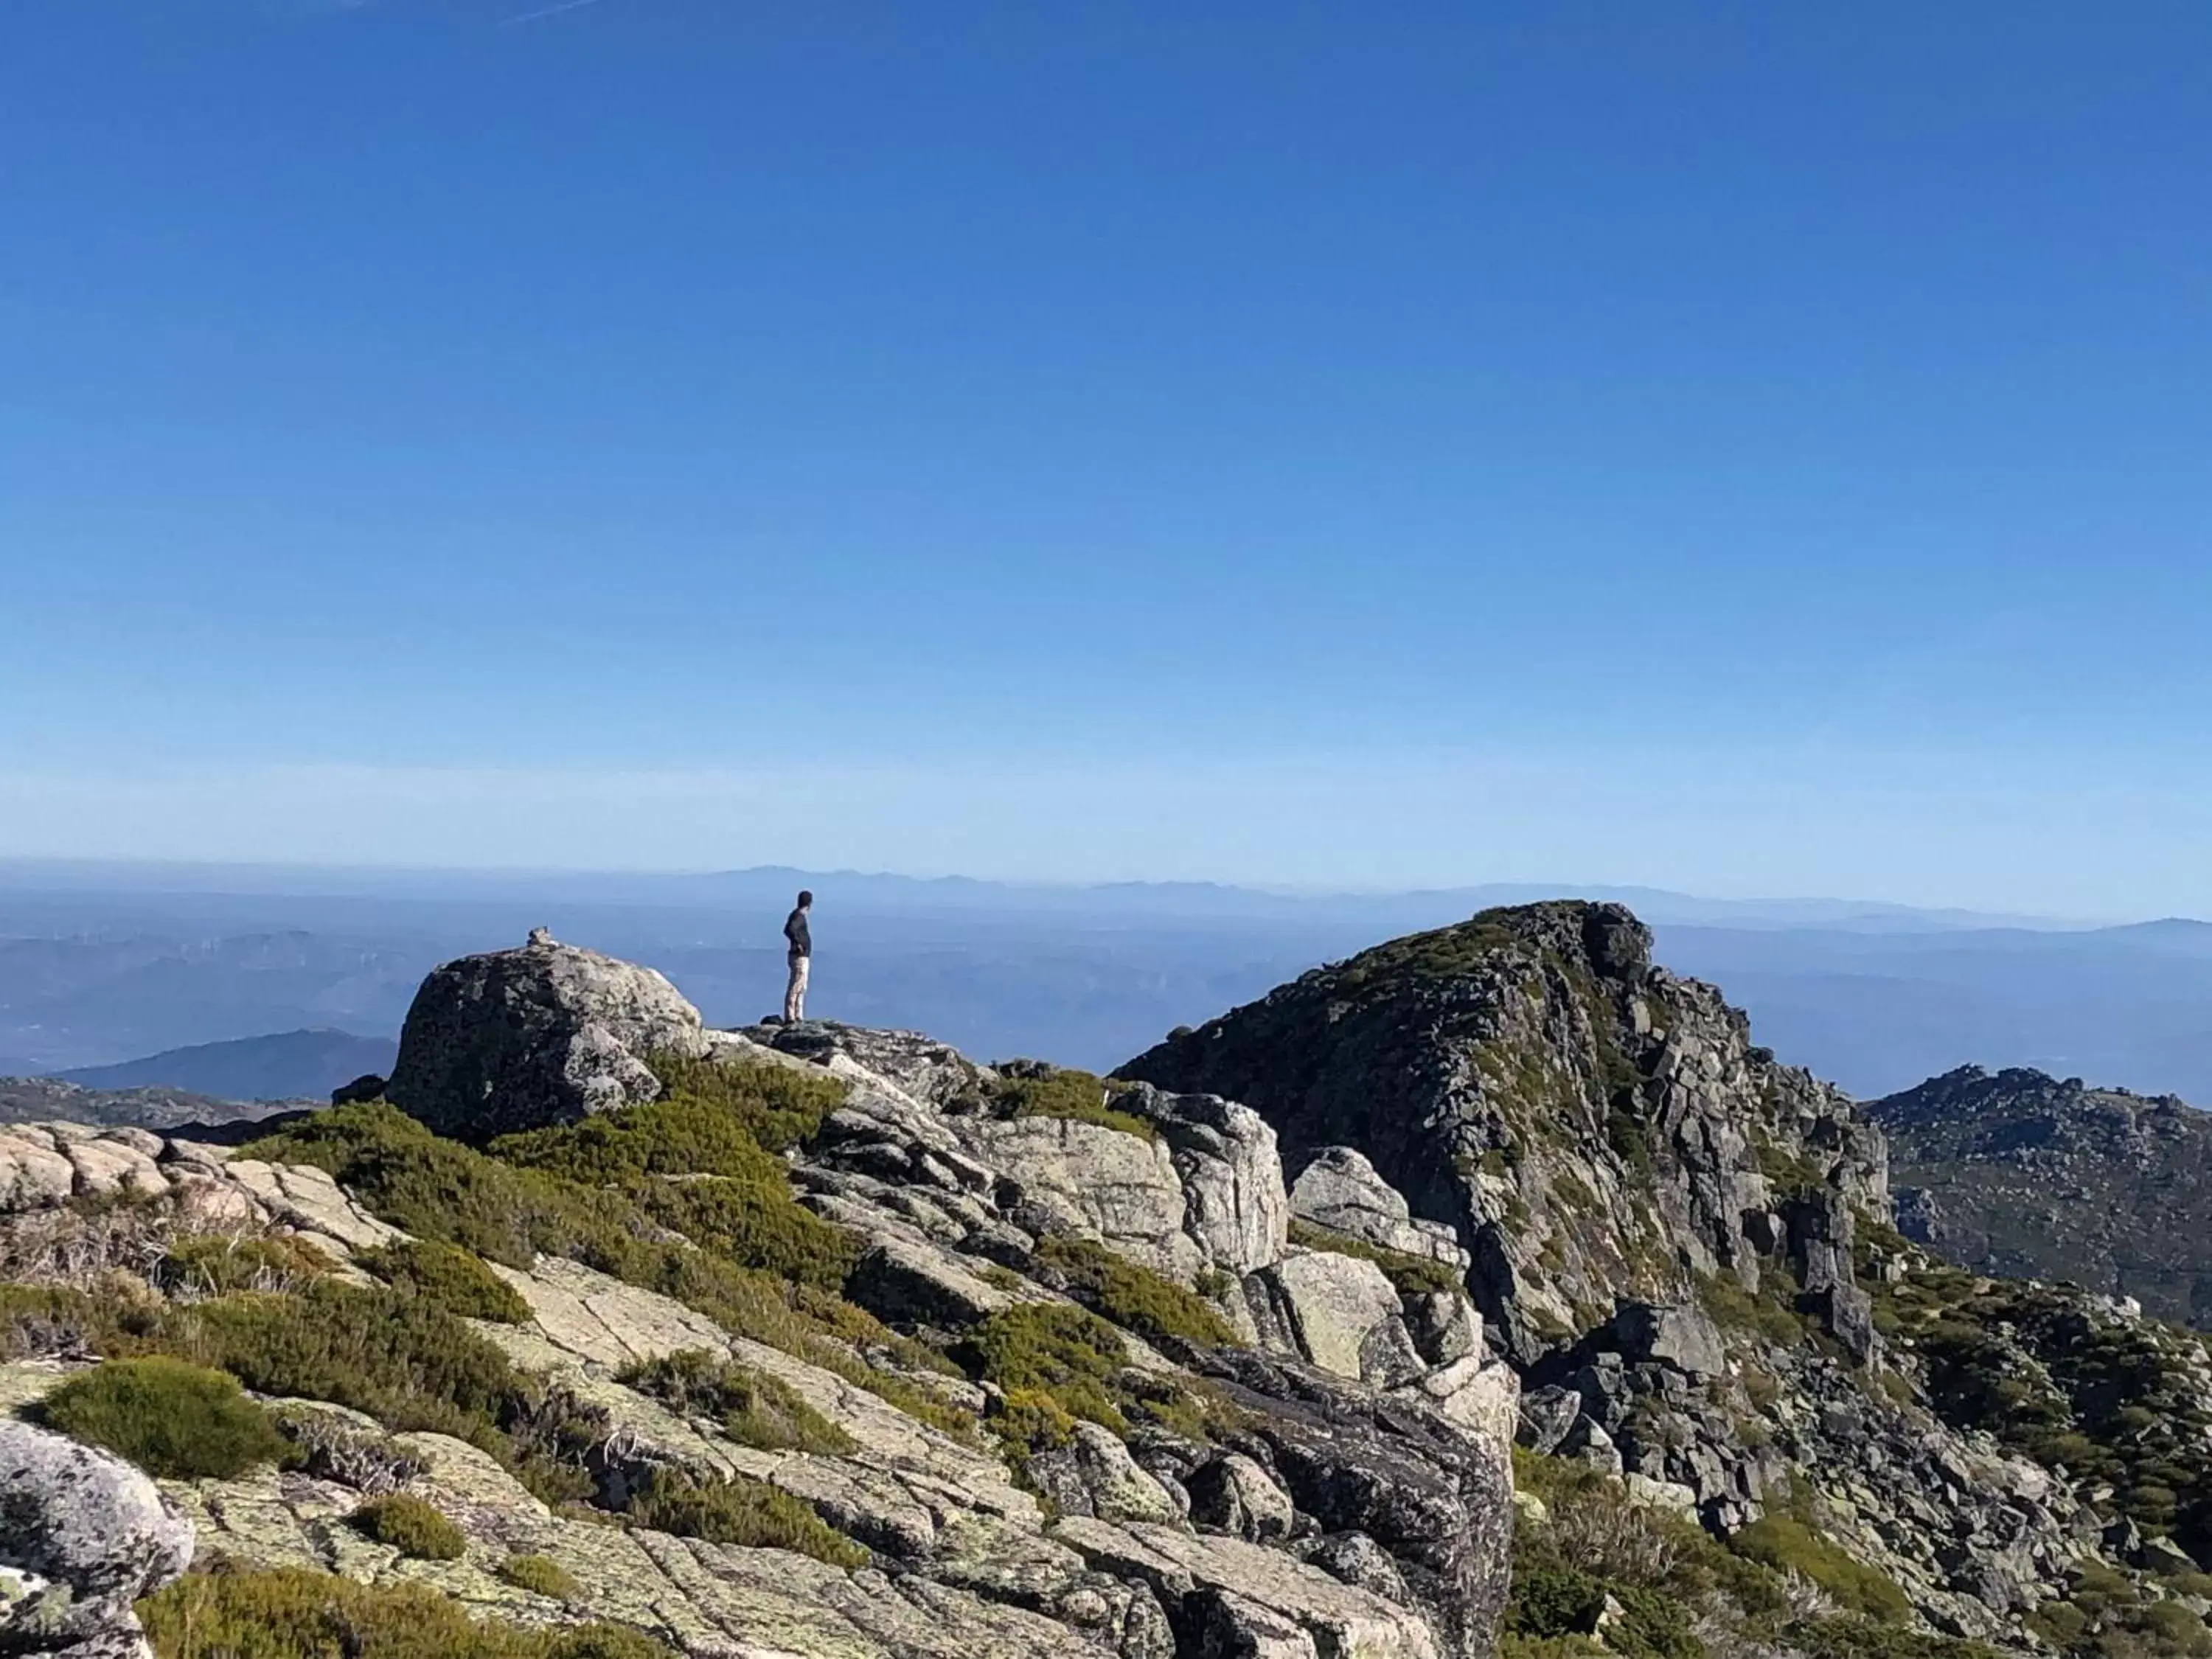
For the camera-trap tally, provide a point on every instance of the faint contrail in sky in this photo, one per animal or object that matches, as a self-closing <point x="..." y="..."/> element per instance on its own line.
<point x="544" y="11"/>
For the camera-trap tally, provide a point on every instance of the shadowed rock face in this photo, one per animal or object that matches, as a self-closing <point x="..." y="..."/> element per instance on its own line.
<point x="546" y="1034"/>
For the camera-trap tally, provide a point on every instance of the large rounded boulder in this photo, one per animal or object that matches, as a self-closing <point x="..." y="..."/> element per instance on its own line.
<point x="82" y="1534"/>
<point x="546" y="1034"/>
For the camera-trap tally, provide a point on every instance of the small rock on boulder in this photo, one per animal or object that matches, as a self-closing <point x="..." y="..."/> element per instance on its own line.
<point x="546" y="1034"/>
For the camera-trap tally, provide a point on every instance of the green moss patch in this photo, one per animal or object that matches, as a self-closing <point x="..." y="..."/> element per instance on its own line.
<point x="179" y="1421"/>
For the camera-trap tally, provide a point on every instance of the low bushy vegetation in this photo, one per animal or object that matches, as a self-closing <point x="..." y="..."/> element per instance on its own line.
<point x="440" y="1189"/>
<point x="1788" y="1544"/>
<point x="2114" y="1402"/>
<point x="742" y="1511"/>
<point x="725" y="1119"/>
<point x="1031" y="1091"/>
<point x="1048" y="1349"/>
<point x="172" y="1419"/>
<point x="1130" y="1294"/>
<point x="541" y="1575"/>
<point x="294" y="1614"/>
<point x="449" y="1278"/>
<point x="411" y="1526"/>
<point x="387" y="1353"/>
<point x="1410" y="1275"/>
<point x="1680" y="1593"/>
<point x="752" y="1407"/>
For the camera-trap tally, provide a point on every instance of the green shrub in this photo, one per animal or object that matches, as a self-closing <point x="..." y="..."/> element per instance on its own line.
<point x="754" y="1408"/>
<point x="757" y="1224"/>
<point x="1410" y="1275"/>
<point x="449" y="1278"/>
<point x="396" y="1357"/>
<point x="1078" y="1097"/>
<point x="179" y="1421"/>
<point x="714" y="1120"/>
<point x="292" y="1613"/>
<point x="1051" y="1349"/>
<point x="1130" y="1295"/>
<point x="1030" y="1420"/>
<point x="1789" y="1545"/>
<point x="216" y="1264"/>
<point x="742" y="1511"/>
<point x="411" y="1526"/>
<point x="541" y="1575"/>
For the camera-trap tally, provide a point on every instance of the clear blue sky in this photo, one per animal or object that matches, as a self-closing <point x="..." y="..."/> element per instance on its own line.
<point x="1745" y="447"/>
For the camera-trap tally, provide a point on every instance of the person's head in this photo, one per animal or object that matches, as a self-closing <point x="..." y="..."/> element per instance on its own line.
<point x="805" y="899"/>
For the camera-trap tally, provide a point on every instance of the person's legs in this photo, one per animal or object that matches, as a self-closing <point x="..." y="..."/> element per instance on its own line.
<point x="794" y="994"/>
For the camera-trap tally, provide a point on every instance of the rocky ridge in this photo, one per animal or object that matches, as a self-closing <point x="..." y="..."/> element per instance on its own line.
<point x="1684" y="1248"/>
<point x="832" y="1341"/>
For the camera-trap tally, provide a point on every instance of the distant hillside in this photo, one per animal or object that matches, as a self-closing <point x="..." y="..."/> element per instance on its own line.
<point x="289" y="1066"/>
<point x="44" y="1099"/>
<point x="2020" y="1175"/>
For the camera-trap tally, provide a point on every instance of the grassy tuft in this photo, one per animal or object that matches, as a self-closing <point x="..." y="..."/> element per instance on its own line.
<point x="1130" y="1295"/>
<point x="742" y="1511"/>
<point x="541" y="1575"/>
<point x="175" y="1420"/>
<point x="1063" y="1353"/>
<point x="294" y="1614"/>
<point x="217" y="1264"/>
<point x="411" y="1526"/>
<point x="1789" y="1545"/>
<point x="449" y="1278"/>
<point x="1076" y="1096"/>
<point x="1410" y="1275"/>
<point x="753" y="1408"/>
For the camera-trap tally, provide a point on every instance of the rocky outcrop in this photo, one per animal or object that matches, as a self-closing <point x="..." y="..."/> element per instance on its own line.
<point x="1340" y="1191"/>
<point x="2024" y="1175"/>
<point x="545" y="1034"/>
<point x="82" y="1535"/>
<point x="1589" y="1126"/>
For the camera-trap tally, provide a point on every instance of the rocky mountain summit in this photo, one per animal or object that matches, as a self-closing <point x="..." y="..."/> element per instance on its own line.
<point x="1488" y="1291"/>
<point x="2018" y="1174"/>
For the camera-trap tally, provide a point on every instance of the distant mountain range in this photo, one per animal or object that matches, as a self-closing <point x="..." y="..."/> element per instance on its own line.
<point x="45" y="1099"/>
<point x="289" y="1065"/>
<point x="101" y="962"/>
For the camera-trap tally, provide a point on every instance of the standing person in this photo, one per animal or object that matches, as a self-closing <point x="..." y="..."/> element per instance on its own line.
<point x="801" y="959"/>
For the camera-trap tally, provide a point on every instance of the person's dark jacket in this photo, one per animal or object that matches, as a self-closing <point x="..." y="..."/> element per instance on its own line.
<point x="794" y="929"/>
